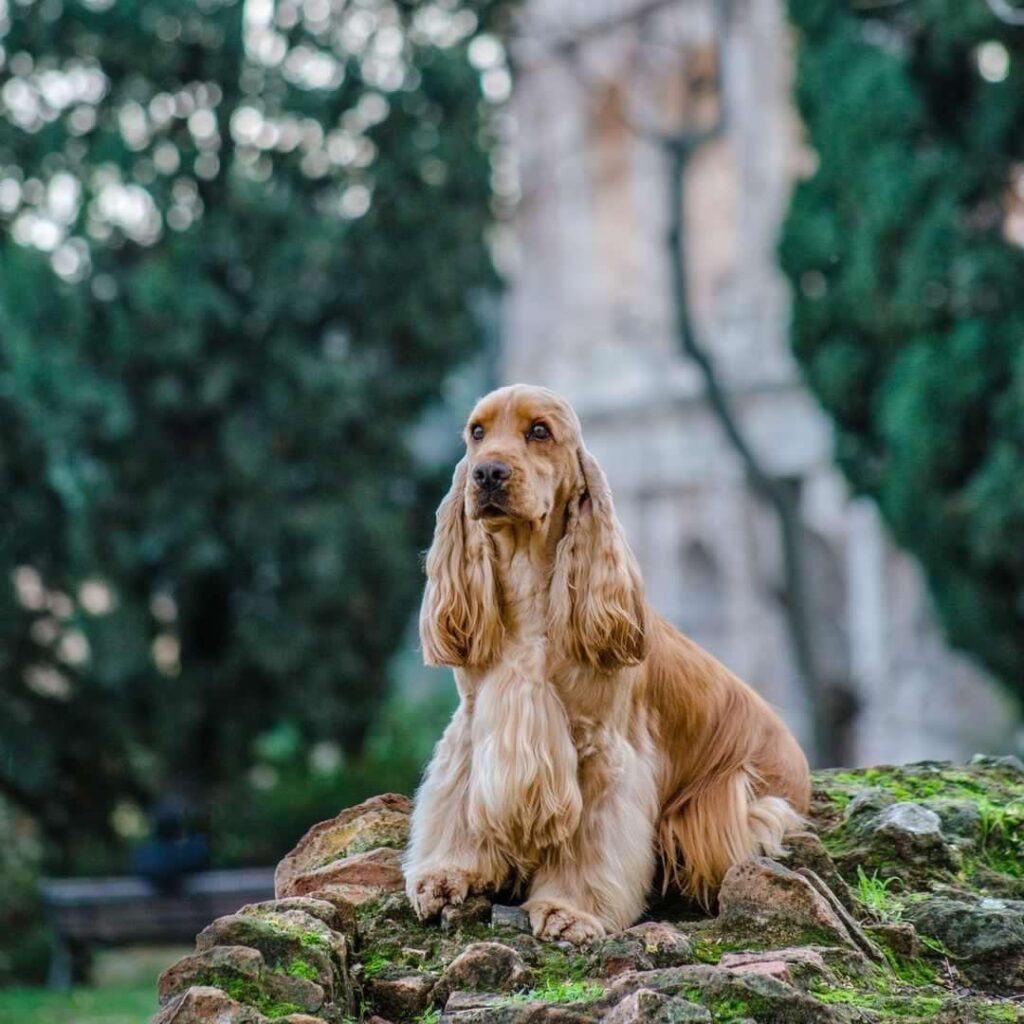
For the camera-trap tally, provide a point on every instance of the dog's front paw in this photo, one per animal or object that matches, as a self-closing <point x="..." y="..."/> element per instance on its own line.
<point x="559" y="922"/>
<point x="432" y="891"/>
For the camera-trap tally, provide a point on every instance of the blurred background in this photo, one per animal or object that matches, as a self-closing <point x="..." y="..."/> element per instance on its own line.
<point x="257" y="259"/>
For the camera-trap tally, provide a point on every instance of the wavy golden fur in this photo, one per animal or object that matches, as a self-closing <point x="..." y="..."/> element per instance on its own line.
<point x="591" y="736"/>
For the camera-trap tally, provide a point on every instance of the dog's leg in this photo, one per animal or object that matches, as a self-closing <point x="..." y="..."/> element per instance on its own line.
<point x="599" y="881"/>
<point x="444" y="861"/>
<point x="722" y="824"/>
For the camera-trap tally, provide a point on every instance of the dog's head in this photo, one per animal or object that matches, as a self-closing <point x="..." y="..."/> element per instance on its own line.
<point x="526" y="466"/>
<point x="522" y="461"/>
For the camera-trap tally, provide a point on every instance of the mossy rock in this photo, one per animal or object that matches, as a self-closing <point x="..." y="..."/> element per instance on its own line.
<point x="938" y="907"/>
<point x="381" y="822"/>
<point x="206" y="1004"/>
<point x="284" y="939"/>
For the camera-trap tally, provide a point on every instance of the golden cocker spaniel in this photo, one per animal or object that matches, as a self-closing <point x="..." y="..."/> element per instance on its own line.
<point x="591" y="736"/>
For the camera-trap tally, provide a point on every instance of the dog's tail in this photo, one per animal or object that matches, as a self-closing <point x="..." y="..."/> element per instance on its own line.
<point x="703" y="833"/>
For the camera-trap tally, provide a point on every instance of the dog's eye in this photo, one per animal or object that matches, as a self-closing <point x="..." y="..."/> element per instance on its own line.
<point x="539" y="432"/>
<point x="476" y="432"/>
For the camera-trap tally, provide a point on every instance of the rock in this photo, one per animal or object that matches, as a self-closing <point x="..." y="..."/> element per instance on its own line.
<point x="223" y="962"/>
<point x="986" y="936"/>
<point x="912" y="833"/>
<point x="1008" y="761"/>
<point x="616" y="954"/>
<point x="484" y="967"/>
<point x="346" y="897"/>
<point x="337" y="918"/>
<point x="288" y="937"/>
<point x="510" y="919"/>
<point x="491" y="1008"/>
<point x="399" y="993"/>
<point x="292" y="991"/>
<point x="381" y="822"/>
<point x="664" y="945"/>
<point x="207" y="1005"/>
<point x="856" y="933"/>
<point x="901" y="937"/>
<point x="645" y="1006"/>
<point x="379" y="870"/>
<point x="766" y="901"/>
<point x="500" y="1013"/>
<point x="459" y="1001"/>
<point x="788" y="965"/>
<point x="960" y="819"/>
<point x="789" y="945"/>
<point x="868" y="803"/>
<point x="531" y="949"/>
<point x="722" y="991"/>
<point x="473" y="910"/>
<point x="806" y="850"/>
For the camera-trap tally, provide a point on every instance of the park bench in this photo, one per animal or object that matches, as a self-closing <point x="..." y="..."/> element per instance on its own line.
<point x="86" y="912"/>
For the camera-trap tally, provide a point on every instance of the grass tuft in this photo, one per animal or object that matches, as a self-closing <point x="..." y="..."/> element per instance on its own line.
<point x="874" y="893"/>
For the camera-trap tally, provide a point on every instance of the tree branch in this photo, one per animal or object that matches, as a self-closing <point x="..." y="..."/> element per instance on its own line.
<point x="679" y="148"/>
<point x="797" y="602"/>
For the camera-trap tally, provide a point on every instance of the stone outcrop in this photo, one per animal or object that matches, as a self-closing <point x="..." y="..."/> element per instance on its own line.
<point x="904" y="901"/>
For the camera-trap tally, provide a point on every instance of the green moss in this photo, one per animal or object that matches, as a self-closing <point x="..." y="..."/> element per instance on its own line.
<point x="560" y="992"/>
<point x="428" y="1017"/>
<point x="273" y="1010"/>
<point x="375" y="962"/>
<point x="558" y="965"/>
<point x="302" y="969"/>
<point x="910" y="971"/>
<point x="840" y="797"/>
<point x="249" y="992"/>
<point x="917" y="782"/>
<point x="710" y="949"/>
<point x="725" y="1011"/>
<point x="729" y="1009"/>
<point x="1007" y="1013"/>
<point x="900" y="1005"/>
<point x="292" y="930"/>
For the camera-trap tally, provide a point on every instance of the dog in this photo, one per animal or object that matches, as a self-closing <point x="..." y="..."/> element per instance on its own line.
<point x="591" y="738"/>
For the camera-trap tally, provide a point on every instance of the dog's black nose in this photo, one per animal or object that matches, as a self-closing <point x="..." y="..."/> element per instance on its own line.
<point x="489" y="476"/>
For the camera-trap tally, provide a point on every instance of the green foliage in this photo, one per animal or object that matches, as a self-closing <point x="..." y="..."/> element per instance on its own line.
<point x="909" y="315"/>
<point x="1002" y="836"/>
<point x="874" y="893"/>
<point x="238" y="262"/>
<point x="301" y="969"/>
<point x="25" y="943"/>
<point x="376" y="962"/>
<point x="296" y="789"/>
<point x="561" y="992"/>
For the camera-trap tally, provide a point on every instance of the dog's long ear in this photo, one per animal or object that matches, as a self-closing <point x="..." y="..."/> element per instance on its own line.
<point x="597" y="598"/>
<point x="460" y="621"/>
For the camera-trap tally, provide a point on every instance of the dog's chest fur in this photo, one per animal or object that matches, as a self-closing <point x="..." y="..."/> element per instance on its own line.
<point x="524" y="788"/>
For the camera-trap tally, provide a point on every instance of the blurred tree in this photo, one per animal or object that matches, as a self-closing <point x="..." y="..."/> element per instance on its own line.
<point x="240" y="253"/>
<point x="905" y="251"/>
